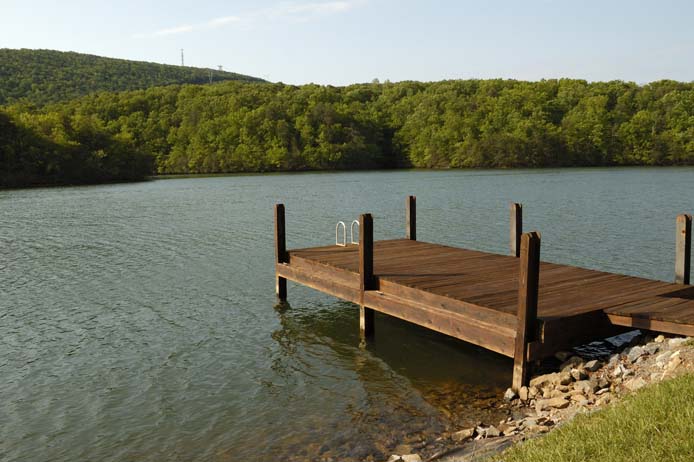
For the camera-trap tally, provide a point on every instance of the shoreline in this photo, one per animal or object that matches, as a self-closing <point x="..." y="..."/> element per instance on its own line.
<point x="554" y="398"/>
<point x="505" y="170"/>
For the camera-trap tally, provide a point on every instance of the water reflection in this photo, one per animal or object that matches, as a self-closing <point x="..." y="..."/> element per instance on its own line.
<point x="409" y="383"/>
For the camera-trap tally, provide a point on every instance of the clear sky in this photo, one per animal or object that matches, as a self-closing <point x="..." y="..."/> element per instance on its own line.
<point x="346" y="41"/>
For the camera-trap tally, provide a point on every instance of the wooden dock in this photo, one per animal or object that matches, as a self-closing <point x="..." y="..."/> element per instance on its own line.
<point x="514" y="305"/>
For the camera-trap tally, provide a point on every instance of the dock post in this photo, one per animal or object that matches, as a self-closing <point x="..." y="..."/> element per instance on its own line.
<point x="528" y="285"/>
<point x="366" y="275"/>
<point x="280" y="252"/>
<point x="411" y="218"/>
<point x="683" y="249"/>
<point x="516" y="228"/>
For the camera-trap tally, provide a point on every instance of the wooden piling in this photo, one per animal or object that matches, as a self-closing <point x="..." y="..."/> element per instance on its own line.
<point x="516" y="228"/>
<point x="528" y="285"/>
<point x="683" y="249"/>
<point x="411" y="218"/>
<point x="366" y="277"/>
<point x="280" y="251"/>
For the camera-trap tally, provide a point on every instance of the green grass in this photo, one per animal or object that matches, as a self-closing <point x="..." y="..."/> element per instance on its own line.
<point x="656" y="424"/>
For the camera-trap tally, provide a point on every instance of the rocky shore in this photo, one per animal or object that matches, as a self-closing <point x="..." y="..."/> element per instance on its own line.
<point x="577" y="384"/>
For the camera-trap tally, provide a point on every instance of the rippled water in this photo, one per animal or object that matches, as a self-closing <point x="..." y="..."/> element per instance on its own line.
<point x="138" y="321"/>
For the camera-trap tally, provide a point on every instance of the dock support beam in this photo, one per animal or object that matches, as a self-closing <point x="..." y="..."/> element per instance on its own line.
<point x="683" y="249"/>
<point x="366" y="275"/>
<point x="528" y="285"/>
<point x="411" y="218"/>
<point x="516" y="228"/>
<point x="280" y="251"/>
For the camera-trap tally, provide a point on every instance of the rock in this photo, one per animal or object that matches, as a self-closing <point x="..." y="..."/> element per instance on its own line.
<point x="571" y="363"/>
<point x="592" y="366"/>
<point x="674" y="362"/>
<point x="603" y="382"/>
<point x="604" y="399"/>
<point x="405" y="458"/>
<point x="524" y="394"/>
<point x="635" y="353"/>
<point x="565" y="377"/>
<point x="675" y="342"/>
<point x="488" y="432"/>
<point x="652" y="348"/>
<point x="614" y="360"/>
<point x="532" y="392"/>
<point x="602" y="391"/>
<point x="635" y="384"/>
<point x="510" y="395"/>
<point x="579" y="374"/>
<point x="557" y="394"/>
<point x="463" y="435"/>
<point x="662" y="358"/>
<point x="586" y="387"/>
<point x="618" y="371"/>
<point x="552" y="403"/>
<point x="563" y="388"/>
<point x="660" y="339"/>
<point x="562" y="355"/>
<point x="543" y="380"/>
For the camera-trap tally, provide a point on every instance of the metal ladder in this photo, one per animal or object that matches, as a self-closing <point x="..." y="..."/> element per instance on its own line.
<point x="341" y="224"/>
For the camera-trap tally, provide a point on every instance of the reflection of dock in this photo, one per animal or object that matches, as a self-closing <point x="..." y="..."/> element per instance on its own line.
<point x="513" y="305"/>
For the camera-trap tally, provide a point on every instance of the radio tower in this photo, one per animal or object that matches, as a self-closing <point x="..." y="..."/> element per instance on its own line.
<point x="182" y="62"/>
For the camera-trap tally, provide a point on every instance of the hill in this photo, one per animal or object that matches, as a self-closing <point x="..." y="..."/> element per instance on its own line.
<point x="47" y="76"/>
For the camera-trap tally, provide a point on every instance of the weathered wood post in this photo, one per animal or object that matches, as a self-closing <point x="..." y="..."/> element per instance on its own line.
<point x="516" y="228"/>
<point x="683" y="249"/>
<point x="411" y="218"/>
<point x="366" y="274"/>
<point x="280" y="252"/>
<point x="528" y="285"/>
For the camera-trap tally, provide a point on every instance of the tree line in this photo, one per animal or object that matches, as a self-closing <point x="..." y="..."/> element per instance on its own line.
<point x="257" y="127"/>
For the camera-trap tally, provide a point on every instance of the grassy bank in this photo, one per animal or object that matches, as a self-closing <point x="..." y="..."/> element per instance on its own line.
<point x="656" y="423"/>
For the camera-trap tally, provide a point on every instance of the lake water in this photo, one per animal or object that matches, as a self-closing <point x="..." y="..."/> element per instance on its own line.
<point x="138" y="321"/>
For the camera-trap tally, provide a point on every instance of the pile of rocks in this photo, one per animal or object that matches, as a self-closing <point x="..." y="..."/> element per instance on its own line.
<point x="578" y="385"/>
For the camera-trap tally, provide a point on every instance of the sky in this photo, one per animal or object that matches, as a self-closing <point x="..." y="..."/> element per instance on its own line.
<point x="340" y="42"/>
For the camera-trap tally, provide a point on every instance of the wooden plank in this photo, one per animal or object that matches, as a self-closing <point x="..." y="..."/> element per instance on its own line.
<point x="683" y="249"/>
<point x="528" y="284"/>
<point x="652" y="324"/>
<point x="309" y="279"/>
<point x="322" y="270"/>
<point x="516" y="228"/>
<point x="462" y="327"/>
<point x="481" y="314"/>
<point x="366" y="274"/>
<point x="280" y="251"/>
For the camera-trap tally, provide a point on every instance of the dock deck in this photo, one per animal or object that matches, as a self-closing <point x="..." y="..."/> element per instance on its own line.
<point x="514" y="305"/>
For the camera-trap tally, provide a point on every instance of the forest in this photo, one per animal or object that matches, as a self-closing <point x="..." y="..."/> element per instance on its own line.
<point x="259" y="127"/>
<point x="48" y="76"/>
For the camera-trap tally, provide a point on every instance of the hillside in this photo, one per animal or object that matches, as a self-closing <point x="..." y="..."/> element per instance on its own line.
<point x="47" y="76"/>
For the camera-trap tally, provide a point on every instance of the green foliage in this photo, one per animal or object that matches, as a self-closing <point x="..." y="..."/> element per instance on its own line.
<point x="56" y="149"/>
<point x="46" y="76"/>
<point x="255" y="127"/>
